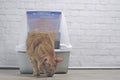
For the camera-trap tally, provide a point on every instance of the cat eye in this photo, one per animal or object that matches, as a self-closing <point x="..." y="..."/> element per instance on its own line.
<point x="45" y="60"/>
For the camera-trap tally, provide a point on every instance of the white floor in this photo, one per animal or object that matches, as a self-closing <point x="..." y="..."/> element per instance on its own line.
<point x="71" y="75"/>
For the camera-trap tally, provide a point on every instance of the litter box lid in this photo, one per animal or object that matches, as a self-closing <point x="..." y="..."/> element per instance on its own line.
<point x="50" y="21"/>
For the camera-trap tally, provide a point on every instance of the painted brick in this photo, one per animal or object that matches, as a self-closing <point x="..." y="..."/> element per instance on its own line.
<point x="114" y="52"/>
<point x="110" y="2"/>
<point x="108" y="7"/>
<point x="91" y="52"/>
<point x="90" y="1"/>
<point x="95" y="13"/>
<point x="93" y="27"/>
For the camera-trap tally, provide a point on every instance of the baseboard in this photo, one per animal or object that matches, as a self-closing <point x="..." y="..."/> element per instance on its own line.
<point x="75" y="68"/>
<point x="93" y="68"/>
<point x="15" y="68"/>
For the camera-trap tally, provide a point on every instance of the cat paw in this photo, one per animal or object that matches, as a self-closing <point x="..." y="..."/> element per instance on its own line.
<point x="49" y="75"/>
<point x="35" y="74"/>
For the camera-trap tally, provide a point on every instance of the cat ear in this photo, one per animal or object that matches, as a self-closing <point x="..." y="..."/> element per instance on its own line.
<point x="58" y="59"/>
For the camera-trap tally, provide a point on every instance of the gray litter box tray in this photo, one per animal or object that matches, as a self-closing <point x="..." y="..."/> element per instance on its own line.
<point x="25" y="65"/>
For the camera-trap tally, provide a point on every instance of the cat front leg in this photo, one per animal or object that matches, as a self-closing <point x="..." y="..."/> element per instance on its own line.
<point x="41" y="68"/>
<point x="34" y="66"/>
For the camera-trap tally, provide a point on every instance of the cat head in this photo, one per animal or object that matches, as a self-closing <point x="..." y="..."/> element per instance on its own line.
<point x="49" y="65"/>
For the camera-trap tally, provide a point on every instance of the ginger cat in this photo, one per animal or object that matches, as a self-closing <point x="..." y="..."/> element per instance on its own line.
<point x="40" y="51"/>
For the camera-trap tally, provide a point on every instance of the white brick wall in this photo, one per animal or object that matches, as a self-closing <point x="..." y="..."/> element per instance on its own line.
<point x="93" y="25"/>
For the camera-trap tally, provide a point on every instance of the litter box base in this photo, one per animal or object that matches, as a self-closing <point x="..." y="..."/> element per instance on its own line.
<point x="26" y="68"/>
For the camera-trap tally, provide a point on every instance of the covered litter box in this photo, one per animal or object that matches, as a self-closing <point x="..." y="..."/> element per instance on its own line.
<point x="46" y="21"/>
